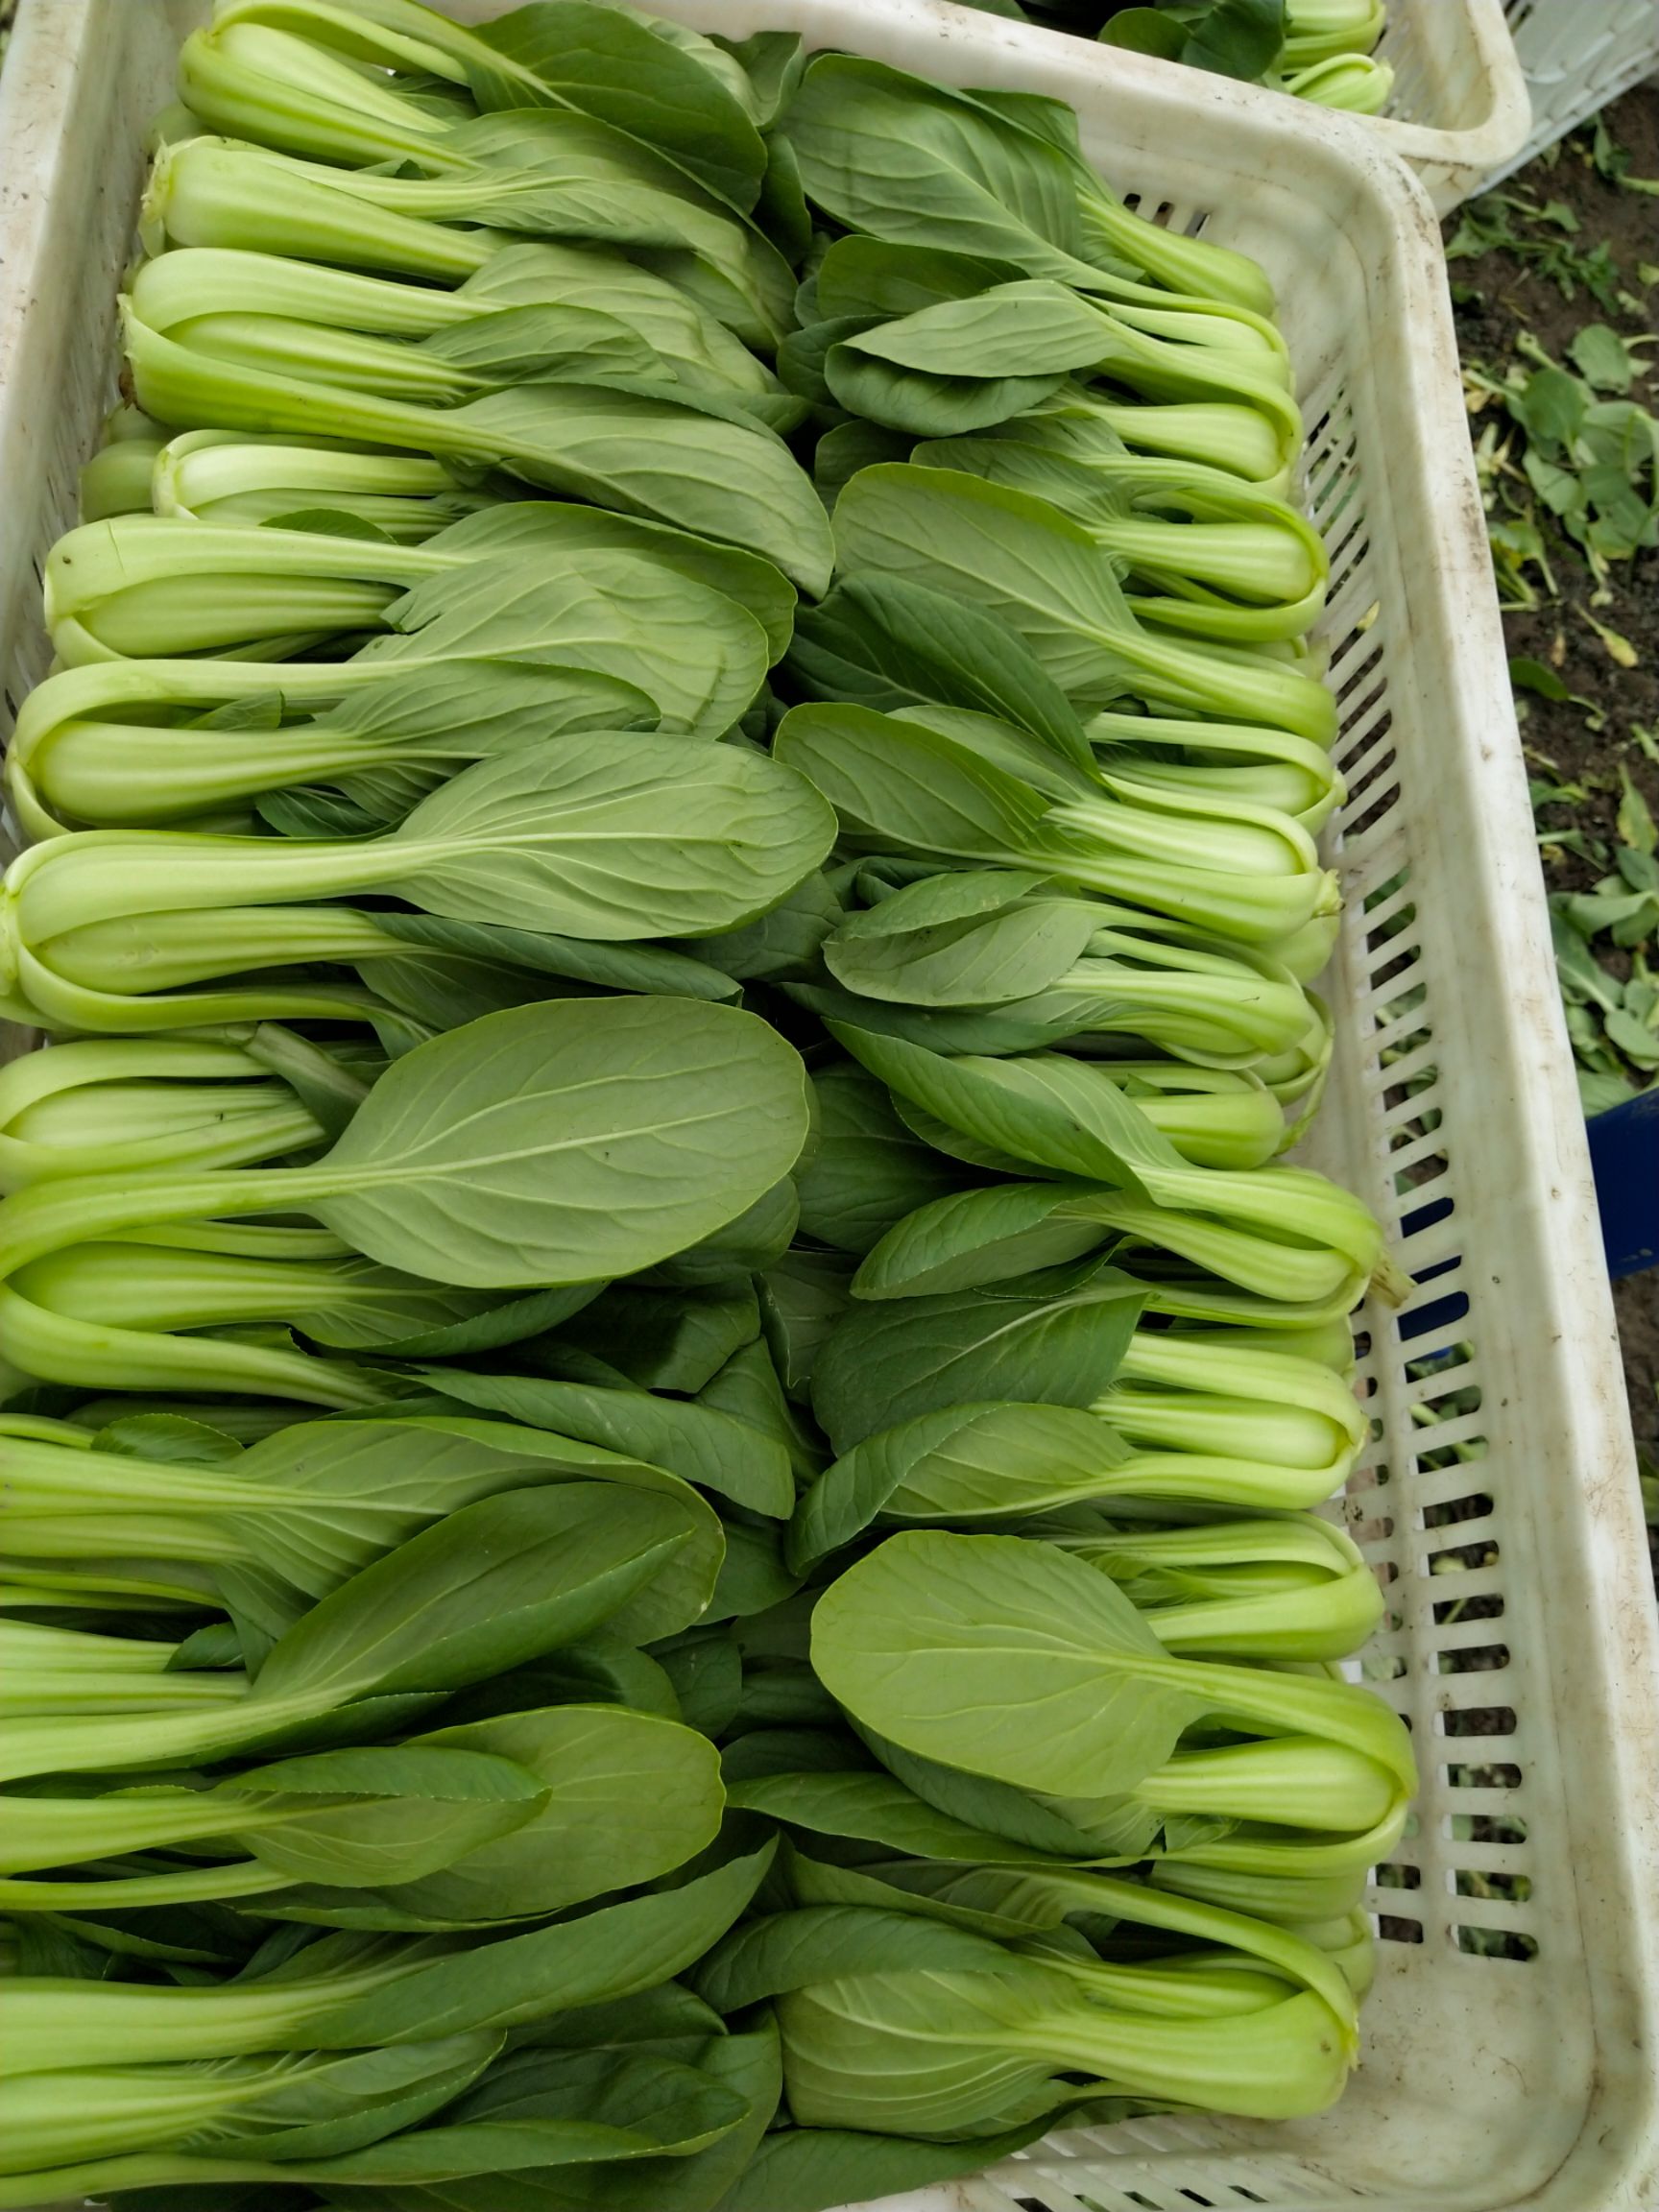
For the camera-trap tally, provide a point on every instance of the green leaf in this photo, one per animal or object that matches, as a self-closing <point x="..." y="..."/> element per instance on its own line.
<point x="1115" y="1829"/>
<point x="168" y="1439"/>
<point x="923" y="405"/>
<point x="1528" y="675"/>
<point x="1635" y="819"/>
<point x="668" y="2014"/>
<point x="327" y="2107"/>
<point x="1057" y="1340"/>
<point x="772" y="61"/>
<point x="875" y="280"/>
<point x="666" y="1340"/>
<point x="1145" y="31"/>
<point x="800" y="2169"/>
<point x="1046" y="1109"/>
<point x="963" y="1462"/>
<point x="485" y="704"/>
<point x="1562" y="489"/>
<point x="783" y="944"/>
<point x="635" y="2088"/>
<point x="632" y="2107"/>
<point x="974" y="1238"/>
<point x="747" y="2064"/>
<point x="1634" y="1039"/>
<point x="1040" y="572"/>
<point x="841" y="453"/>
<point x="1549" y="406"/>
<point x="695" y="652"/>
<point x="748" y="1388"/>
<point x="871" y="1806"/>
<point x="1023" y="1027"/>
<point x="519" y="345"/>
<point x="706" y="1672"/>
<point x="804" y="355"/>
<point x="782" y="1951"/>
<point x="898" y="785"/>
<point x="617" y="967"/>
<point x="427" y="991"/>
<point x="606" y="1954"/>
<point x="1239" y="37"/>
<point x="698" y="1443"/>
<point x="1603" y="359"/>
<point x="698" y="654"/>
<point x="1036" y="326"/>
<point x="687" y="338"/>
<point x="627" y="1797"/>
<point x="977" y="337"/>
<point x="566" y="1142"/>
<point x="650" y="456"/>
<point x="1580" y="973"/>
<point x="974" y="939"/>
<point x="949" y="1645"/>
<point x="753" y="1575"/>
<point x="493" y="1585"/>
<point x="418" y="1811"/>
<point x="868" y="1171"/>
<point x="759" y="1236"/>
<point x="549" y="525"/>
<point x="801" y="1299"/>
<point x="908" y="163"/>
<point x="1601" y="1094"/>
<point x="608" y="63"/>
<point x="886" y="643"/>
<point x="315" y="1501"/>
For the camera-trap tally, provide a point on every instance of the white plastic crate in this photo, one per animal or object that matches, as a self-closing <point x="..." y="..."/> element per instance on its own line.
<point x="1489" y="2081"/>
<point x="1577" y="55"/>
<point x="1459" y="112"/>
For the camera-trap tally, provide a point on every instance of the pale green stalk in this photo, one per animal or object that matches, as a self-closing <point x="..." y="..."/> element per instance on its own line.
<point x="1282" y="1234"/>
<point x="1350" y="82"/>
<point x="1217" y="433"/>
<point x="129" y="1892"/>
<point x="1280" y="1588"/>
<point x="255" y="82"/>
<point x="57" y="1348"/>
<point x="1267" y="768"/>
<point x="118" y="479"/>
<point x="223" y="477"/>
<point x="102" y="1107"/>
<point x="1201" y="1396"/>
<point x="1212" y="1116"/>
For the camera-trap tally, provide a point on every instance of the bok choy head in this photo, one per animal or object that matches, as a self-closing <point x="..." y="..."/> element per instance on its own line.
<point x="899" y="2024"/>
<point x="632" y="837"/>
<point x="575" y="1141"/>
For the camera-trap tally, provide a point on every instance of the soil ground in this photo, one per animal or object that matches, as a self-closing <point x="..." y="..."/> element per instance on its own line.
<point x="1498" y="295"/>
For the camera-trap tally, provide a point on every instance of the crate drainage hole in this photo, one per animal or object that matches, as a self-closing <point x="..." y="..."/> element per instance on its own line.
<point x="1497" y="1943"/>
<point x="1392" y="1930"/>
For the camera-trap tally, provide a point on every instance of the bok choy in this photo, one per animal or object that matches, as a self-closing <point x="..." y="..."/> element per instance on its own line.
<point x="664" y="1391"/>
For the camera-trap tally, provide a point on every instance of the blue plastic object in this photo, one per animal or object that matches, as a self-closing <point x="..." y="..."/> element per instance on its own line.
<point x="1624" y="1153"/>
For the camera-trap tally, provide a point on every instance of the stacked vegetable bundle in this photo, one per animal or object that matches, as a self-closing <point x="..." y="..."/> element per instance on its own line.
<point x="1318" y="50"/>
<point x="665" y="1398"/>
